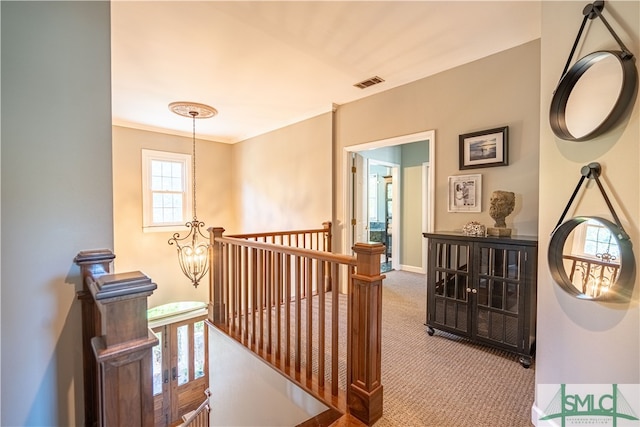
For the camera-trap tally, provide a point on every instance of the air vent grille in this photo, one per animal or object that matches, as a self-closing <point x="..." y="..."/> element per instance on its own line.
<point x="369" y="82"/>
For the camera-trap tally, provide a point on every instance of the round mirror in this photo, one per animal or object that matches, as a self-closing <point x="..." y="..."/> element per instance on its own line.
<point x="592" y="258"/>
<point x="593" y="95"/>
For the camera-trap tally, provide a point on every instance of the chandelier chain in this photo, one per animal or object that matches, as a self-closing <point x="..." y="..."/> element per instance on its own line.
<point x="193" y="164"/>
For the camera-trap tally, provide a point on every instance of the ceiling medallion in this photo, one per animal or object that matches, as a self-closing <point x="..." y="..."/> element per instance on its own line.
<point x="187" y="109"/>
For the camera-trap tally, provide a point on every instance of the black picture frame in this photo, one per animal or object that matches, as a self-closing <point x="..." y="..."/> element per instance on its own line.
<point x="484" y="149"/>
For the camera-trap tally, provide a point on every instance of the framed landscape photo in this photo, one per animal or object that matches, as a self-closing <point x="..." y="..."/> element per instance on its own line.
<point x="484" y="149"/>
<point x="465" y="193"/>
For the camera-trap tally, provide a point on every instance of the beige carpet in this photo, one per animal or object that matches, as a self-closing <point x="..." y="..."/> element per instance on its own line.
<point x="443" y="380"/>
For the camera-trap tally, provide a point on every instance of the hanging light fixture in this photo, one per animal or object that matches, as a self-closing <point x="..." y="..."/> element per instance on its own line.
<point x="192" y="251"/>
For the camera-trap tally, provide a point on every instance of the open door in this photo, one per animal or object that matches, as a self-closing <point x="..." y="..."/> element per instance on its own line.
<point x="359" y="221"/>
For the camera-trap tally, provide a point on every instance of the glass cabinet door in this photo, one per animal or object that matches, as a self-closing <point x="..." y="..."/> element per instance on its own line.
<point x="450" y="284"/>
<point x="500" y="274"/>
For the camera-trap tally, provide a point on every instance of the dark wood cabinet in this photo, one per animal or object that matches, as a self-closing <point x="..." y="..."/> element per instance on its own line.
<point x="484" y="289"/>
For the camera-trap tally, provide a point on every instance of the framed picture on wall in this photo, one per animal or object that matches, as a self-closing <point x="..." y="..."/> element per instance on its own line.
<point x="465" y="193"/>
<point x="484" y="149"/>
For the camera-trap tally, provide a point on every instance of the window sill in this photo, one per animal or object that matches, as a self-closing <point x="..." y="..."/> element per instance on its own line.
<point x="165" y="229"/>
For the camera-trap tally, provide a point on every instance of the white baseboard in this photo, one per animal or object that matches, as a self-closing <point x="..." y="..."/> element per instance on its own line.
<point x="536" y="414"/>
<point x="412" y="269"/>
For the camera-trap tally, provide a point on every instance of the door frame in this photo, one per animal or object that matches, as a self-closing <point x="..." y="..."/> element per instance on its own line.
<point x="429" y="176"/>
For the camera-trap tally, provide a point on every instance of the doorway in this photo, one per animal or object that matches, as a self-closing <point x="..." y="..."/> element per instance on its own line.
<point x="180" y="366"/>
<point x="382" y="197"/>
<point x="411" y="196"/>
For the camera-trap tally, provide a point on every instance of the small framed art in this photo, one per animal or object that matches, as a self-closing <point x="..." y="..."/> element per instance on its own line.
<point x="465" y="193"/>
<point x="484" y="149"/>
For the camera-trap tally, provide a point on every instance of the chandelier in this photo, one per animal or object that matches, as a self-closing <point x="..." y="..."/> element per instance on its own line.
<point x="193" y="249"/>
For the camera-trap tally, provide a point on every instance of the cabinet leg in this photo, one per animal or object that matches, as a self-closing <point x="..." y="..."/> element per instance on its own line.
<point x="525" y="361"/>
<point x="430" y="331"/>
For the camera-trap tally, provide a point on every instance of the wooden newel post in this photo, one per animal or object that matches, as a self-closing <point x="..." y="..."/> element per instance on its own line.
<point x="117" y="343"/>
<point x="364" y="389"/>
<point x="92" y="264"/>
<point x="216" y="296"/>
<point x="327" y="235"/>
<point x="124" y="350"/>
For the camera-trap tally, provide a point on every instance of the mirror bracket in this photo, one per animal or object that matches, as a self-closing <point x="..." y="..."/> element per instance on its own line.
<point x="593" y="171"/>
<point x="590" y="12"/>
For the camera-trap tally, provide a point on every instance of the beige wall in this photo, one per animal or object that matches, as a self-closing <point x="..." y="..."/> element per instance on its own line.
<point x="502" y="89"/>
<point x="56" y="198"/>
<point x="150" y="252"/>
<point x="282" y="180"/>
<point x="579" y="341"/>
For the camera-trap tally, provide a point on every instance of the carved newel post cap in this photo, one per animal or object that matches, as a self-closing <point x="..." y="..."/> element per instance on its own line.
<point x="122" y="284"/>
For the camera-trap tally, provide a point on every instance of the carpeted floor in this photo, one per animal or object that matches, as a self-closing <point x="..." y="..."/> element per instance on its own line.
<point x="429" y="381"/>
<point x="442" y="380"/>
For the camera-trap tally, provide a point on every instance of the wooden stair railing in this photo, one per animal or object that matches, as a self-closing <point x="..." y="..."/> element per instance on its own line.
<point x="316" y="238"/>
<point x="200" y="416"/>
<point x="595" y="275"/>
<point x="117" y="343"/>
<point x="259" y="296"/>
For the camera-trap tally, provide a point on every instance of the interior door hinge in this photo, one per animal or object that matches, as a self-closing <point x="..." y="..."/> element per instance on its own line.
<point x="353" y="221"/>
<point x="353" y="169"/>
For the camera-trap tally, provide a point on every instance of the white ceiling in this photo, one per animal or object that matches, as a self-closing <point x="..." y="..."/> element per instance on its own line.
<point x="266" y="64"/>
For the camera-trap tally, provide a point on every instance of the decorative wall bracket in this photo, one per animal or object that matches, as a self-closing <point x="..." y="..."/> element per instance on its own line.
<point x="592" y="171"/>
<point x="591" y="11"/>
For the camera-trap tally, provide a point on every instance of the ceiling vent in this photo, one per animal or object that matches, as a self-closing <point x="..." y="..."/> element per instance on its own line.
<point x="369" y="82"/>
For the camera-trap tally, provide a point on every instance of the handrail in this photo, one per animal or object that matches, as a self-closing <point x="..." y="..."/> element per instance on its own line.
<point x="274" y="299"/>
<point x="290" y="250"/>
<point x="200" y="416"/>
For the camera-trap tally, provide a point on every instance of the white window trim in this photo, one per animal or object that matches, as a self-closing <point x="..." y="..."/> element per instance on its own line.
<point x="147" y="211"/>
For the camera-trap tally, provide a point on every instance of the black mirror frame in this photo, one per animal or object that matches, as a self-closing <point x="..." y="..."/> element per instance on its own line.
<point x="623" y="287"/>
<point x="557" y="113"/>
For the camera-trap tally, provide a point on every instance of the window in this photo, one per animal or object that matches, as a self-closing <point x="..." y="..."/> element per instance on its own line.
<point x="593" y="240"/>
<point x="166" y="190"/>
